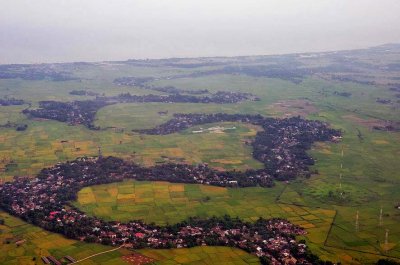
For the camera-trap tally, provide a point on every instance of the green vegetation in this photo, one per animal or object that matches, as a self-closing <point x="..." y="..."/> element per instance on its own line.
<point x="163" y="202"/>
<point x="45" y="143"/>
<point x="370" y="171"/>
<point x="21" y="243"/>
<point x="201" y="255"/>
<point x="145" y="116"/>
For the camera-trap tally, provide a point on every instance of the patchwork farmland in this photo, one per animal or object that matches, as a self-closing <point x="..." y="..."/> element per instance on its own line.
<point x="360" y="173"/>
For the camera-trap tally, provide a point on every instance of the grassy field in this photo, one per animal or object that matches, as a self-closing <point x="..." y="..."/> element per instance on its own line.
<point x="370" y="164"/>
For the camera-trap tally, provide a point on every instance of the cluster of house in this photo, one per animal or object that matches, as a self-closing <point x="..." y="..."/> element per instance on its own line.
<point x="342" y="93"/>
<point x="73" y="113"/>
<point x="33" y="72"/>
<point x="42" y="201"/>
<point x="281" y="146"/>
<point x="83" y="93"/>
<point x="11" y="101"/>
<point x="383" y="101"/>
<point x="141" y="83"/>
<point x="84" y="112"/>
<point x="220" y="97"/>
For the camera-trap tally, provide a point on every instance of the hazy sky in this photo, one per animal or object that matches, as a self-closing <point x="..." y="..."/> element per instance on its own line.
<point x="34" y="31"/>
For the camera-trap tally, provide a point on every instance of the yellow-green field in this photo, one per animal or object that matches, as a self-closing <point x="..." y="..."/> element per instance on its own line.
<point x="201" y="255"/>
<point x="47" y="142"/>
<point x="37" y="243"/>
<point x="164" y="202"/>
<point x="370" y="167"/>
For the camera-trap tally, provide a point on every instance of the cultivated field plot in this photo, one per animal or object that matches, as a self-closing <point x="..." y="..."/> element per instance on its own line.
<point x="201" y="255"/>
<point x="42" y="145"/>
<point x="369" y="175"/>
<point x="216" y="149"/>
<point x="369" y="165"/>
<point x="163" y="202"/>
<point x="129" y="116"/>
<point x="47" y="142"/>
<point x="22" y="243"/>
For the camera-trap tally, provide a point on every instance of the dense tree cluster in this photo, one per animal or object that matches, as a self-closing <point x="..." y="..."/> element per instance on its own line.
<point x="216" y="98"/>
<point x="393" y="67"/>
<point x="344" y="78"/>
<point x="33" y="72"/>
<point x="84" y="112"/>
<point x="11" y="101"/>
<point x="342" y="94"/>
<point x="394" y="87"/>
<point x="133" y="81"/>
<point x="42" y="201"/>
<point x="174" y="90"/>
<point x="83" y="93"/>
<point x="76" y="112"/>
<point x="220" y="97"/>
<point x="141" y="82"/>
<point x="387" y="262"/>
<point x="21" y="127"/>
<point x="383" y="101"/>
<point x="288" y="72"/>
<point x="281" y="146"/>
<point x="292" y="74"/>
<point x="18" y="126"/>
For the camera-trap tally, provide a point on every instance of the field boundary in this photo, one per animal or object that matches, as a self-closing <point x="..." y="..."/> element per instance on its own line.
<point x="326" y="244"/>
<point x="98" y="254"/>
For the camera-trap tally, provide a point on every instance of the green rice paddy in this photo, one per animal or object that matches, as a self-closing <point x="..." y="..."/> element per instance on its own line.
<point x="324" y="204"/>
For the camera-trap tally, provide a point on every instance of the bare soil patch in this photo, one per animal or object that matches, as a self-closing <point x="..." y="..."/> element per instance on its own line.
<point x="227" y="161"/>
<point x="137" y="259"/>
<point x="370" y="123"/>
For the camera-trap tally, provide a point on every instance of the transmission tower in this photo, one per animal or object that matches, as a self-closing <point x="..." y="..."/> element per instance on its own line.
<point x="357" y="222"/>
<point x="100" y="154"/>
<point x="387" y="237"/>
<point x="387" y="240"/>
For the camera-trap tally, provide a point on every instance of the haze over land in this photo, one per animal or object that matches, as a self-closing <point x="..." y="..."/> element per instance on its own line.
<point x="122" y="152"/>
<point x="95" y="30"/>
